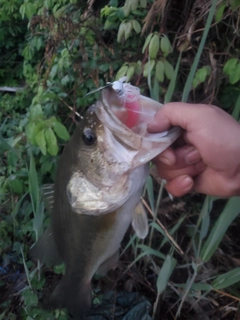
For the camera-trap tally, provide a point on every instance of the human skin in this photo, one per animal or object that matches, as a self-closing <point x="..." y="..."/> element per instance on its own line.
<point x="207" y="158"/>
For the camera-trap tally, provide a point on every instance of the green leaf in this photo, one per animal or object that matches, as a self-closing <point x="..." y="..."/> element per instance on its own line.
<point x="165" y="45"/>
<point x="60" y="269"/>
<point x="134" y="4"/>
<point x="236" y="110"/>
<point x="36" y="112"/>
<point x="122" y="72"/>
<point x="154" y="46"/>
<point x="227" y="279"/>
<point x="58" y="13"/>
<point x="16" y="185"/>
<point x="12" y="158"/>
<point x="61" y="131"/>
<point x="219" y="12"/>
<point x="121" y="31"/>
<point x="148" y="68"/>
<point x="235" y="75"/>
<point x="165" y="273"/>
<point x="143" y="3"/>
<point x="65" y="53"/>
<point x="53" y="71"/>
<point x="128" y="29"/>
<point x="41" y="142"/>
<point x="130" y="72"/>
<point x="30" y="9"/>
<point x="235" y="4"/>
<point x="30" y="298"/>
<point x="160" y="71"/>
<point x="65" y="80"/>
<point x="48" y="4"/>
<point x="201" y="75"/>
<point x="35" y="130"/>
<point x="230" y="65"/>
<point x="51" y="141"/>
<point x="127" y="7"/>
<point x="168" y="69"/>
<point x="136" y="26"/>
<point x="229" y="213"/>
<point x="146" y="43"/>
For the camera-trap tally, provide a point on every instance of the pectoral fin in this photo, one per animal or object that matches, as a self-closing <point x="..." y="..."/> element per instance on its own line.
<point x="140" y="221"/>
<point x="45" y="249"/>
<point x="48" y="196"/>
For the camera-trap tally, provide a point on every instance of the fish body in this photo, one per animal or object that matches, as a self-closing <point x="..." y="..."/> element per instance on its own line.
<point x="96" y="196"/>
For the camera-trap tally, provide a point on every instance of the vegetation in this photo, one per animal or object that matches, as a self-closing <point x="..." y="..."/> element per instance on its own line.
<point x="52" y="54"/>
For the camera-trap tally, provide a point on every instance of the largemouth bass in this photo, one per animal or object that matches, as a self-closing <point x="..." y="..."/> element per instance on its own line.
<point x="96" y="196"/>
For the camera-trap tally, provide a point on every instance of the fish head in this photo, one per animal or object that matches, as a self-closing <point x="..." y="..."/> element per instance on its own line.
<point x="100" y="179"/>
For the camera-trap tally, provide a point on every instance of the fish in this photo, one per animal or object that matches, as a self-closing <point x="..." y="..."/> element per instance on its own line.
<point x="97" y="191"/>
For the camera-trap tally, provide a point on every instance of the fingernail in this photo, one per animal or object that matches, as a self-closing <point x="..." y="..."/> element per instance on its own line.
<point x="192" y="157"/>
<point x="166" y="160"/>
<point x="153" y="126"/>
<point x="186" y="183"/>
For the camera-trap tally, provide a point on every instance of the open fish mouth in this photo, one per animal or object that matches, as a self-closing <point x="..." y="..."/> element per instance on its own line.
<point x="126" y="113"/>
<point x="116" y="165"/>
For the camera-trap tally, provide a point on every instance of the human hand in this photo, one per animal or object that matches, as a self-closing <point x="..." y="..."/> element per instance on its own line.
<point x="208" y="161"/>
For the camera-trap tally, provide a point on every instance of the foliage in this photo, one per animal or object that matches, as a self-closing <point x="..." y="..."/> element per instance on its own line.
<point x="52" y="54"/>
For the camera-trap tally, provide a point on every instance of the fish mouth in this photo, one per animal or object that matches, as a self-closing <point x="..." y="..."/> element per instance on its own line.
<point x="126" y="115"/>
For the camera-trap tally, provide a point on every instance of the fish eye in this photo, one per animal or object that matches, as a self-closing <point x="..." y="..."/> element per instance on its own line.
<point x="88" y="136"/>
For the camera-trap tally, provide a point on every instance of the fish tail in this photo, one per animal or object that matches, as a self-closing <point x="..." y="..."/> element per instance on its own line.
<point x="73" y="295"/>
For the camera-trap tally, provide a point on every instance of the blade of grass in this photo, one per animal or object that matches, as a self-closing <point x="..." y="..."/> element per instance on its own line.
<point x="33" y="184"/>
<point x="147" y="251"/>
<point x="173" y="242"/>
<point x="171" y="87"/>
<point x="205" y="211"/>
<point x="156" y="212"/>
<point x="188" y="85"/>
<point x="163" y="277"/>
<point x="227" y="279"/>
<point x="149" y="188"/>
<point x="229" y="213"/>
<point x="173" y="230"/>
<point x="26" y="268"/>
<point x="130" y="242"/>
<point x="187" y="288"/>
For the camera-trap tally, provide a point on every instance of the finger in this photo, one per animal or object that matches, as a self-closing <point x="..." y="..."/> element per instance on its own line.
<point x="170" y="173"/>
<point x="175" y="114"/>
<point x="187" y="154"/>
<point x="167" y="157"/>
<point x="193" y="156"/>
<point x="179" y="157"/>
<point x="180" y="185"/>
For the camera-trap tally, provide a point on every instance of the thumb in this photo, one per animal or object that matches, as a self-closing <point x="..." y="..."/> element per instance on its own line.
<point x="174" y="114"/>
